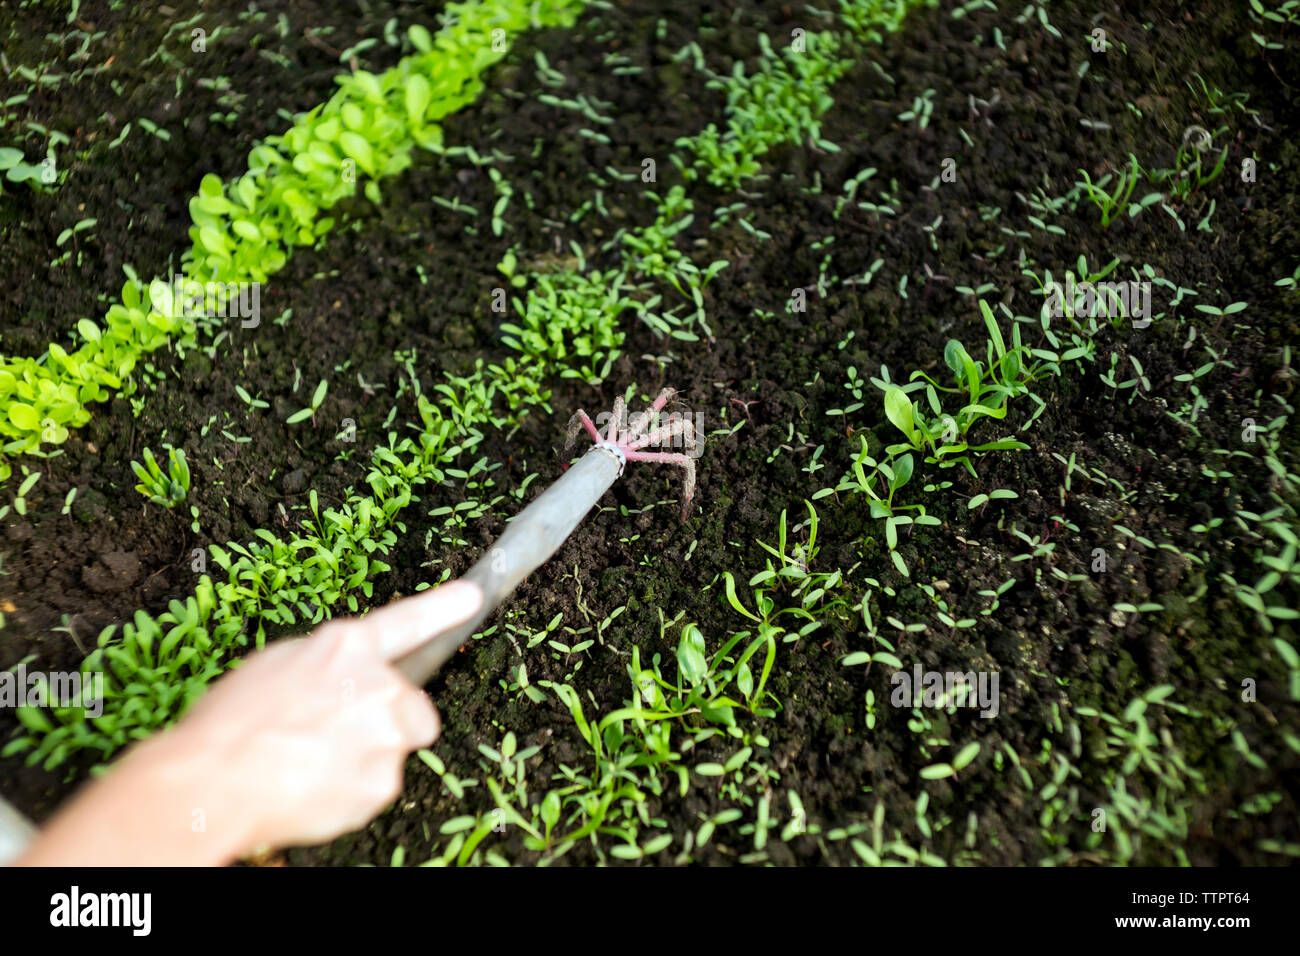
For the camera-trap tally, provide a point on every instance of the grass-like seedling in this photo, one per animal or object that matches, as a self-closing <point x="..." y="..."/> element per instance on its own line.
<point x="1190" y="172"/>
<point x="1116" y="201"/>
<point x="168" y="488"/>
<point x="643" y="748"/>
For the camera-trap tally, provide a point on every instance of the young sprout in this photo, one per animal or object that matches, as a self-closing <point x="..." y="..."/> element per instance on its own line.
<point x="316" y="401"/>
<point x="168" y="489"/>
<point x="1113" y="203"/>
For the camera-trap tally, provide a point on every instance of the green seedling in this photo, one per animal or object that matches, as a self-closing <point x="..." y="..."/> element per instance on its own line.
<point x="632" y="749"/>
<point x="167" y="489"/>
<point x="249" y="400"/>
<point x="880" y="482"/>
<point x="16" y="169"/>
<point x="987" y="387"/>
<point x="571" y="319"/>
<point x="1190" y="172"/>
<point x="79" y="227"/>
<point x="941" y="771"/>
<point x="782" y="102"/>
<point x="1112" y="203"/>
<point x="813" y="590"/>
<point x="504" y="191"/>
<point x="317" y="399"/>
<point x="652" y="252"/>
<point x="921" y="111"/>
<point x="20" y="500"/>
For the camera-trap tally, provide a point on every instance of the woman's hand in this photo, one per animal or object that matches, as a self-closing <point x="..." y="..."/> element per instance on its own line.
<point x="303" y="742"/>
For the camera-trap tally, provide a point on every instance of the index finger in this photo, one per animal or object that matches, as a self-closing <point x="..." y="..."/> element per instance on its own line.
<point x="404" y="625"/>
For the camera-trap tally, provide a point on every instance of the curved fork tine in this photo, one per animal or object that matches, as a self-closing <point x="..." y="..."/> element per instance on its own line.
<point x="664" y="397"/>
<point x="670" y="458"/>
<point x="688" y="491"/>
<point x="642" y="421"/>
<point x="579" y="421"/>
<point x="617" y="419"/>
<point x="678" y="427"/>
<point x="637" y="426"/>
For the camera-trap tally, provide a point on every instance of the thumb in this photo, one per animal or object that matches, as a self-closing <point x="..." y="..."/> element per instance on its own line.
<point x="404" y="625"/>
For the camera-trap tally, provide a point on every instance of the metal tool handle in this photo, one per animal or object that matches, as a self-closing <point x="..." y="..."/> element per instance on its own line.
<point x="532" y="537"/>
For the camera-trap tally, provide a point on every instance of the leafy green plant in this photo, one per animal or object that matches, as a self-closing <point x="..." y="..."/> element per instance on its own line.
<point x="809" y="596"/>
<point x="699" y="691"/>
<point x="625" y="768"/>
<point x="941" y="771"/>
<point x="152" y="671"/>
<point x="632" y="747"/>
<point x="570" y="319"/>
<point x="880" y="482"/>
<point x="1146" y="777"/>
<point x="869" y="21"/>
<point x="168" y="488"/>
<point x="652" y="252"/>
<point x="921" y="111"/>
<point x="986" y="387"/>
<point x="1287" y="14"/>
<point x="30" y="478"/>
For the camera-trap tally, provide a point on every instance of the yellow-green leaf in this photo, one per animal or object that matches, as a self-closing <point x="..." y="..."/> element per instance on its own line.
<point x="24" y="417"/>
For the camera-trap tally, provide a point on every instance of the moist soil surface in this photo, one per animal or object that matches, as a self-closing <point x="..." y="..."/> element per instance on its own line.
<point x="409" y="276"/>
